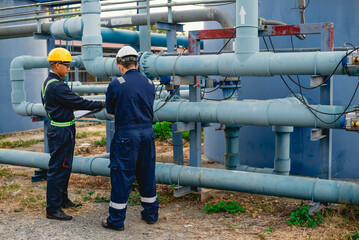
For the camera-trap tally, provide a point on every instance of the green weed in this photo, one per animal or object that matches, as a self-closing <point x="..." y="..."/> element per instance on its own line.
<point x="301" y="217"/>
<point x="19" y="143"/>
<point x="224" y="206"/>
<point x="102" y="199"/>
<point x="163" y="129"/>
<point x="87" y="134"/>
<point x="135" y="198"/>
<point x="81" y="135"/>
<point x="101" y="143"/>
<point x="269" y="230"/>
<point x="6" y="173"/>
<point x="163" y="199"/>
<point x="88" y="197"/>
<point x="353" y="236"/>
<point x="79" y="191"/>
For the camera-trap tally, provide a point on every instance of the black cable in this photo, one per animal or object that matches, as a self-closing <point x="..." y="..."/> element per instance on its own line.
<point x="312" y="110"/>
<point x="229" y="39"/>
<point x="167" y="100"/>
<point x="270" y="39"/>
<point x="216" y="87"/>
<point x="306" y="5"/>
<point x="171" y="143"/>
<point x="234" y="90"/>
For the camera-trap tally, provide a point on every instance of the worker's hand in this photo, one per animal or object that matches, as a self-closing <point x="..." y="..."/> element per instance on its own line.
<point x="103" y="104"/>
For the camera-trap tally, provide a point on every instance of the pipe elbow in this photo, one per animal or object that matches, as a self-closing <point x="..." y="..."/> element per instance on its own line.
<point x="102" y="67"/>
<point x="67" y="28"/>
<point x="222" y="17"/>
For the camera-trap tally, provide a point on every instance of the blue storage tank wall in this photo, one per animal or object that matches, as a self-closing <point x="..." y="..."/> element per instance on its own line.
<point x="257" y="143"/>
<point x="9" y="49"/>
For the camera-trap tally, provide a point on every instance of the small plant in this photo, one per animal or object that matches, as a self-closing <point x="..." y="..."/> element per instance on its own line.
<point x="79" y="191"/>
<point x="6" y="173"/>
<point x="101" y="143"/>
<point x="163" y="129"/>
<point x="185" y="135"/>
<point x="224" y="206"/>
<point x="102" y="199"/>
<point x="89" y="197"/>
<point x="269" y="230"/>
<point x="134" y="199"/>
<point x="19" y="143"/>
<point x="163" y="199"/>
<point x="301" y="217"/>
<point x="353" y="236"/>
<point x="81" y="135"/>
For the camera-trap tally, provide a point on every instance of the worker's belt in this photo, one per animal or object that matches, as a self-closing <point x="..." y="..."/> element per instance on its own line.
<point x="62" y="124"/>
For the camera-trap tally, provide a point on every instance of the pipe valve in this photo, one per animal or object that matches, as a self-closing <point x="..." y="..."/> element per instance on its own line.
<point x="351" y="65"/>
<point x="352" y="121"/>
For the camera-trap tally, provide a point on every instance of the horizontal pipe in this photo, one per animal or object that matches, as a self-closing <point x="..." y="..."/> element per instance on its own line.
<point x="40" y="4"/>
<point x="172" y="4"/>
<point x="276" y="112"/>
<point x="230" y="65"/>
<point x="319" y="190"/>
<point x="196" y="15"/>
<point x="72" y="29"/>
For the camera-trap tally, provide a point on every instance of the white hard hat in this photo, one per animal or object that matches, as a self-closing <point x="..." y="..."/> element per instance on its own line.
<point x="127" y="51"/>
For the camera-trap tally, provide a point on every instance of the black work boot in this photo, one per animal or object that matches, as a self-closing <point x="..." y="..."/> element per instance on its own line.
<point x="148" y="221"/>
<point x="59" y="215"/>
<point x="69" y="204"/>
<point x="105" y="224"/>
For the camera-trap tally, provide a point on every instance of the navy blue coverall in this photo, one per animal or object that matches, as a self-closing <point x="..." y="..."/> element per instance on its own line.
<point x="59" y="102"/>
<point x="130" y="98"/>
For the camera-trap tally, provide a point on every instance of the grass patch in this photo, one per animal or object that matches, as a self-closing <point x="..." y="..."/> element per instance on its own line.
<point x="88" y="134"/>
<point x="88" y="197"/>
<point x="135" y="198"/>
<point x="301" y="217"/>
<point x="6" y="173"/>
<point x="353" y="236"/>
<point x="19" y="143"/>
<point x="101" y="143"/>
<point x="99" y="199"/>
<point x="224" y="206"/>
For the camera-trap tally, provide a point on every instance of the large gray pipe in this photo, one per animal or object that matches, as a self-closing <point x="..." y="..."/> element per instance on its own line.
<point x="268" y="184"/>
<point x="197" y="15"/>
<point x="210" y="14"/>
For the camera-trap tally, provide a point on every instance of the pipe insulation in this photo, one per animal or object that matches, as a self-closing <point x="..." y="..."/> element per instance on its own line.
<point x="319" y="190"/>
<point x="261" y="64"/>
<point x="196" y="15"/>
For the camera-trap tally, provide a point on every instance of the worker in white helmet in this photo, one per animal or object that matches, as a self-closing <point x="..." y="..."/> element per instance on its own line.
<point x="130" y="98"/>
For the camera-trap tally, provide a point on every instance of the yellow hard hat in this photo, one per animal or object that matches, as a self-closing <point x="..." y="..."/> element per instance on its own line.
<point x="59" y="55"/>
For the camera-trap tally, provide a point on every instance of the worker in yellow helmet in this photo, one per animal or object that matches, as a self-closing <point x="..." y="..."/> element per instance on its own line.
<point x="59" y="102"/>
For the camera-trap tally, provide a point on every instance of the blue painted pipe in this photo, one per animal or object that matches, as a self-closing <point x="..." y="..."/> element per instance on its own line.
<point x="72" y="29"/>
<point x="282" y="149"/>
<point x="231" y="156"/>
<point x="17" y="77"/>
<point x="268" y="184"/>
<point x="231" y="64"/>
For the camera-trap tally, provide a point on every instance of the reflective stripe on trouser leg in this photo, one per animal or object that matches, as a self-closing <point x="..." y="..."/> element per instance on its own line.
<point x="121" y="182"/>
<point x="148" y="200"/>
<point x="59" y="166"/>
<point x="145" y="175"/>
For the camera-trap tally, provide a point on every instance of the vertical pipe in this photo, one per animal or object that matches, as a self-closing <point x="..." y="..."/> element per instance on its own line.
<point x="282" y="149"/>
<point x="231" y="156"/>
<point x="247" y="40"/>
<point x="145" y="41"/>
